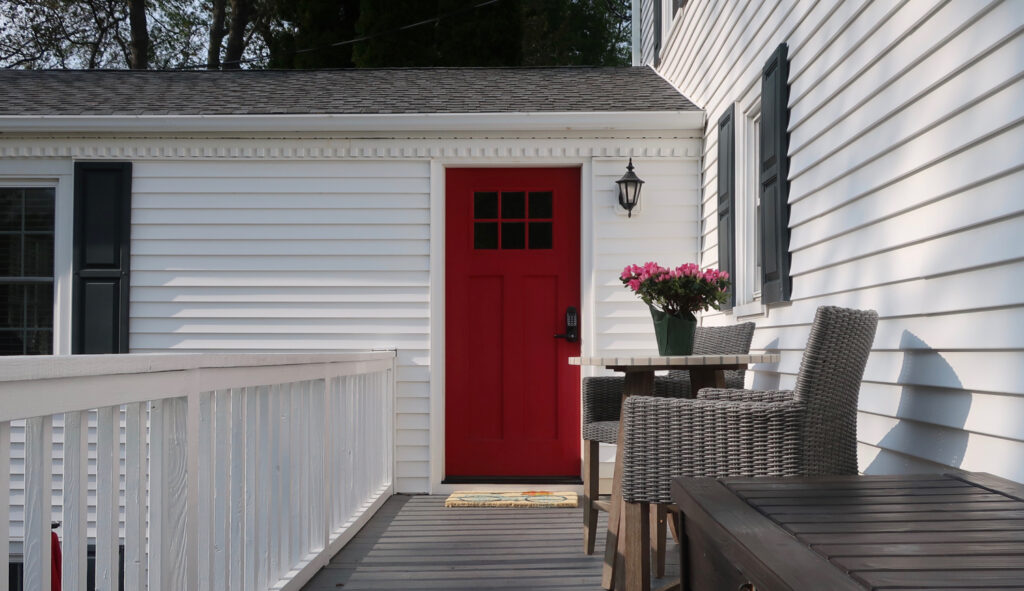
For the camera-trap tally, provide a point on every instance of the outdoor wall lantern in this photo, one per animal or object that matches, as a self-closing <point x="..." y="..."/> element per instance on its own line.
<point x="629" y="189"/>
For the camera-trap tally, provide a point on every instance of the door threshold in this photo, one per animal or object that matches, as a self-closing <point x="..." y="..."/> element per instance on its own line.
<point x="512" y="480"/>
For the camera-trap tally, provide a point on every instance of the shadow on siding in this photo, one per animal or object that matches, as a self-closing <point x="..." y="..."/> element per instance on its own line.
<point x="928" y="430"/>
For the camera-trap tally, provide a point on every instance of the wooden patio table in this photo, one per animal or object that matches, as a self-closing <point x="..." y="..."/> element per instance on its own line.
<point x="705" y="372"/>
<point x="954" y="530"/>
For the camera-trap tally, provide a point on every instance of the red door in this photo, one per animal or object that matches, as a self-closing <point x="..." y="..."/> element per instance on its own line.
<point x="512" y="270"/>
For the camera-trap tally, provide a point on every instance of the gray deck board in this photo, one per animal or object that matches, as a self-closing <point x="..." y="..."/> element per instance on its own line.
<point x="414" y="542"/>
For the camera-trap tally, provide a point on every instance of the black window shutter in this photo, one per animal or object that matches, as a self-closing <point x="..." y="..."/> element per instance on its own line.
<point x="727" y="199"/>
<point x="101" y="257"/>
<point x="774" y="166"/>
<point x="657" y="31"/>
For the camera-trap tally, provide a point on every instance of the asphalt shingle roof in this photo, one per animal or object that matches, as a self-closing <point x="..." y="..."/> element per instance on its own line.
<point x="358" y="91"/>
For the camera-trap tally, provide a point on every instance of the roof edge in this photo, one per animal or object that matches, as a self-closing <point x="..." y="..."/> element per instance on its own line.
<point x="531" y="121"/>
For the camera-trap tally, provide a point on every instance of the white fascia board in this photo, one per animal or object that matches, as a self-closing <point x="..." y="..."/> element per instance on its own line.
<point x="571" y="121"/>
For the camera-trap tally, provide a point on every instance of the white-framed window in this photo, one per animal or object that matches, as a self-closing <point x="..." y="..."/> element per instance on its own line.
<point x="54" y="177"/>
<point x="27" y="248"/>
<point x="748" y="211"/>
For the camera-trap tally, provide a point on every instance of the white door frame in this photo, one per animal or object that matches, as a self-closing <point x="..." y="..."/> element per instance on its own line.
<point x="437" y="300"/>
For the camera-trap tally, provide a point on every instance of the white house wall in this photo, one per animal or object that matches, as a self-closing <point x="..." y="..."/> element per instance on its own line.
<point x="907" y="163"/>
<point x="308" y="245"/>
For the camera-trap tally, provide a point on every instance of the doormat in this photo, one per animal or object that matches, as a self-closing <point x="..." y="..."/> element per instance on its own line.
<point x="530" y="498"/>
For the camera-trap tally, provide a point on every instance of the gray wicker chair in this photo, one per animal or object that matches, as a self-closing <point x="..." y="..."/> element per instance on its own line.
<point x="602" y="400"/>
<point x="810" y="430"/>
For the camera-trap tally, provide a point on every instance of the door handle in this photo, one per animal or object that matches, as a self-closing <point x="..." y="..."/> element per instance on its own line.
<point x="572" y="323"/>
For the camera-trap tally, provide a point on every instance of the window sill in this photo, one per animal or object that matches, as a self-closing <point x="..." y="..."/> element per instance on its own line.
<point x="750" y="309"/>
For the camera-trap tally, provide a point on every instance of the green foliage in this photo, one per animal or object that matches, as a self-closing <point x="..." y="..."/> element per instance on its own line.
<point x="504" y="33"/>
<point x="321" y="33"/>
<point x="308" y="30"/>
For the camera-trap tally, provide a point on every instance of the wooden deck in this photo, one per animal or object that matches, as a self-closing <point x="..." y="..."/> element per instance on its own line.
<point x="413" y="542"/>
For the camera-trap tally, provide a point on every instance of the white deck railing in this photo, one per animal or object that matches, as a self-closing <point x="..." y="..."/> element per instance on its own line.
<point x="214" y="471"/>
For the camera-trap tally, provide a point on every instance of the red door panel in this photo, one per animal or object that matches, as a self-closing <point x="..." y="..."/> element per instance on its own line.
<point x="512" y="269"/>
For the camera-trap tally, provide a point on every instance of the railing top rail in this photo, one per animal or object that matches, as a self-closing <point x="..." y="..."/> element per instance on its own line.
<point x="23" y="368"/>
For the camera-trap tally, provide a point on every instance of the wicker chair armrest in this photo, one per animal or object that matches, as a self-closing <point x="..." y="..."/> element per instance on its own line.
<point x="668" y="437"/>
<point x="602" y="398"/>
<point x="740" y="395"/>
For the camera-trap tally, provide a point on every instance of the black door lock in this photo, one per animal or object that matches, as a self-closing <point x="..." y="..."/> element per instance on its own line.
<point x="572" y="325"/>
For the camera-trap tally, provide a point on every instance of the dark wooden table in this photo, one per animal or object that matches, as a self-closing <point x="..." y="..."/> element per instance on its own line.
<point x="955" y="530"/>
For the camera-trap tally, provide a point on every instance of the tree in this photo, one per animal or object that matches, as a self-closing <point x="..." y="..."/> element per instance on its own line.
<point x="231" y="34"/>
<point x="138" y="57"/>
<point x="575" y="33"/>
<point x="76" y="34"/>
<point x="313" y="34"/>
<point x="64" y="34"/>
<point x="499" y="33"/>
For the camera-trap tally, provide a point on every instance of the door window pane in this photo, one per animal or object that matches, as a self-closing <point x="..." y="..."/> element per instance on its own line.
<point x="485" y="206"/>
<point x="485" y="235"/>
<point x="513" y="205"/>
<point x="540" y="235"/>
<point x="513" y="235"/>
<point x="540" y="205"/>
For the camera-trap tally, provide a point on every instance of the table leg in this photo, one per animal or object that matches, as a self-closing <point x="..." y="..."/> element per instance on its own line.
<point x="636" y="382"/>
<point x="702" y="377"/>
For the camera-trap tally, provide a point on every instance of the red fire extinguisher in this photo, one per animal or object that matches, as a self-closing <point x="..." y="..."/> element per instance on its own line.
<point x="55" y="558"/>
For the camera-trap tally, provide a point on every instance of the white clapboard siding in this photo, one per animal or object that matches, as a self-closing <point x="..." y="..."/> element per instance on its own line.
<point x="289" y="256"/>
<point x="906" y="166"/>
<point x="665" y="228"/>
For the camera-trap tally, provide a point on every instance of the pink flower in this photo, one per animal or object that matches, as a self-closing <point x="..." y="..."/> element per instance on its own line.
<point x="634" y="284"/>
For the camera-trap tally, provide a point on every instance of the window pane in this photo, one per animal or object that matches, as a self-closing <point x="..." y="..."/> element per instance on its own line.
<point x="39" y="209"/>
<point x="513" y="235"/>
<point x="485" y="235"/>
<point x="540" y="235"/>
<point x="12" y="342"/>
<point x="540" y="205"/>
<point x="38" y="255"/>
<point x="39" y="342"/>
<point x="10" y="255"/>
<point x="513" y="205"/>
<point x="10" y="209"/>
<point x="39" y="305"/>
<point x="12" y="306"/>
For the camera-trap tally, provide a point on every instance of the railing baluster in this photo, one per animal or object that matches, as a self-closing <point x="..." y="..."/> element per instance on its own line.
<point x="252" y="558"/>
<point x="236" y="554"/>
<point x="327" y="438"/>
<point x="263" y="485"/>
<point x="307" y="472"/>
<point x="168" y="493"/>
<point x="108" y="478"/>
<point x="296" y="476"/>
<point x="285" y="461"/>
<point x="277" y="566"/>
<point x="135" y="498"/>
<point x="316" y="443"/>
<point x="5" y="503"/>
<point x="206" y="490"/>
<point x="76" y="501"/>
<point x="38" y="492"/>
<point x="221" y="489"/>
